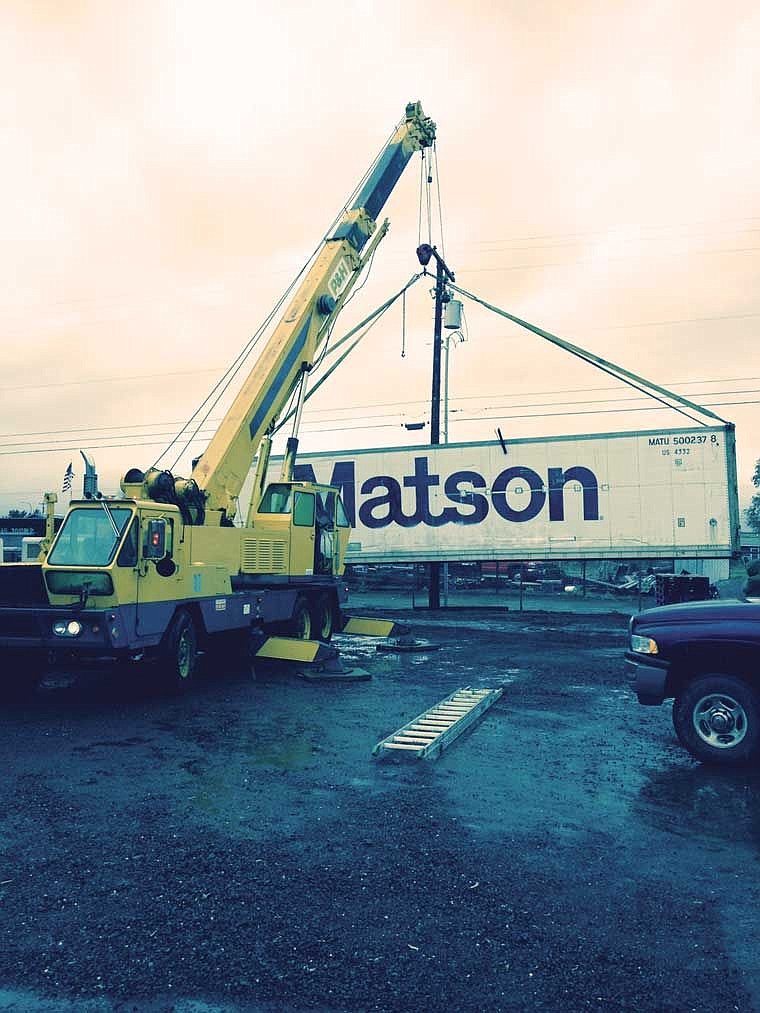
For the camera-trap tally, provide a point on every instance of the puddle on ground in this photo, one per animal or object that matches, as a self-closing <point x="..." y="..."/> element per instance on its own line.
<point x="703" y="801"/>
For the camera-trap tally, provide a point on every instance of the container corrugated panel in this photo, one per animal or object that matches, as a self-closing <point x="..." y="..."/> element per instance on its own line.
<point x="667" y="494"/>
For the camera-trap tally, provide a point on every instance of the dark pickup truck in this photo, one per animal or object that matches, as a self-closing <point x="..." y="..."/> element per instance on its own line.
<point x="706" y="657"/>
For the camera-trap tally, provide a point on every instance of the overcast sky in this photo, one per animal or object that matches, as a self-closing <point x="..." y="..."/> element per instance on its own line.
<point x="168" y="166"/>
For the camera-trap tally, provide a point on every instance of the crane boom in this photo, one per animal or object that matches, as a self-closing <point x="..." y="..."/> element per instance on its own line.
<point x="293" y="345"/>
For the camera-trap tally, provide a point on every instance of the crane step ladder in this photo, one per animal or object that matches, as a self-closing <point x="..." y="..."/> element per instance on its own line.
<point x="435" y="729"/>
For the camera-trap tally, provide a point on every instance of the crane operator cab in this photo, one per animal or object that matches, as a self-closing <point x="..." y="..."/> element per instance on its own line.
<point x="314" y="518"/>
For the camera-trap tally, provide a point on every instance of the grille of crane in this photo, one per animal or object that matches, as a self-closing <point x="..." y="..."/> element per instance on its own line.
<point x="264" y="555"/>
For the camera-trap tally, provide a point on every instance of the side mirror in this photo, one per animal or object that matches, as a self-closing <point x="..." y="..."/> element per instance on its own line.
<point x="155" y="539"/>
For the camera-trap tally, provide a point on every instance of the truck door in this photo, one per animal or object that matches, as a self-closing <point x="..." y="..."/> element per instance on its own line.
<point x="326" y="546"/>
<point x="302" y="539"/>
<point x="155" y="597"/>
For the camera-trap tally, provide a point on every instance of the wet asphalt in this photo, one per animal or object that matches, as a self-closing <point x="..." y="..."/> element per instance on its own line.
<point x="238" y="848"/>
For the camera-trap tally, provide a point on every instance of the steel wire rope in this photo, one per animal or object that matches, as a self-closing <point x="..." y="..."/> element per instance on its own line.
<point x="225" y="381"/>
<point x="213" y="369"/>
<point x="428" y="198"/>
<point x="440" y="204"/>
<point x="368" y="323"/>
<point x="420" y="206"/>
<point x="618" y="372"/>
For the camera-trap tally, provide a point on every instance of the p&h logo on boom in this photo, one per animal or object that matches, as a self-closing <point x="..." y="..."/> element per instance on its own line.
<point x="467" y="489"/>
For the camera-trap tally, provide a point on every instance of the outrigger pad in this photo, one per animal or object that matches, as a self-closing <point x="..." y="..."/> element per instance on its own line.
<point x="294" y="649"/>
<point x="332" y="670"/>
<point x="359" y="626"/>
<point x="346" y="675"/>
<point x="406" y="645"/>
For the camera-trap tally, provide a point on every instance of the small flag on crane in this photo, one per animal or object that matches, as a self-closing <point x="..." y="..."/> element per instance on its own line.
<point x="68" y="477"/>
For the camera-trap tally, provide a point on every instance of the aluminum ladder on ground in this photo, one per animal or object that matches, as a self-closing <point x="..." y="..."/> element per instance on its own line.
<point x="430" y="732"/>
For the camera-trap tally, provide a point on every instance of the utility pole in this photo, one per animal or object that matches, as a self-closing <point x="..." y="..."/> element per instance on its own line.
<point x="424" y="255"/>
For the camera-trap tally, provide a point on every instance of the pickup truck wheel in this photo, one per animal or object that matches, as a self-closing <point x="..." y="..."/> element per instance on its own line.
<point x="179" y="657"/>
<point x="717" y="718"/>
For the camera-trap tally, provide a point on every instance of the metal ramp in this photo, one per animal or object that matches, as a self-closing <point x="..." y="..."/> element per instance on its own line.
<point x="433" y="730"/>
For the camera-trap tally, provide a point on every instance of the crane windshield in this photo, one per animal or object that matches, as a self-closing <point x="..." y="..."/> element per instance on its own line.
<point x="90" y="536"/>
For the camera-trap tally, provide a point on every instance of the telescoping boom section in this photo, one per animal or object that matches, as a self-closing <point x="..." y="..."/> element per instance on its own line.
<point x="292" y="348"/>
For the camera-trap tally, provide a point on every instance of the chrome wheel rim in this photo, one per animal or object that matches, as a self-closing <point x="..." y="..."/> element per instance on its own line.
<point x="304" y="626"/>
<point x="325" y="626"/>
<point x="720" y="720"/>
<point x="184" y="655"/>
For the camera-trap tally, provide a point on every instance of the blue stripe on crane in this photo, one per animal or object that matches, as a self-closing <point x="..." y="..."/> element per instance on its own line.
<point x="376" y="190"/>
<point x="275" y="386"/>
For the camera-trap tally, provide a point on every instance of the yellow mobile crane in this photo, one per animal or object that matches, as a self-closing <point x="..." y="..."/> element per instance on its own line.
<point x="164" y="570"/>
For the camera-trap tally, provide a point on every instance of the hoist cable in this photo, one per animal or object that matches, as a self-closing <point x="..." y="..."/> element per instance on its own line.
<point x="611" y="368"/>
<point x="429" y="199"/>
<point x="419" y="210"/>
<point x="364" y="327"/>
<point x="440" y="205"/>
<point x="403" y="325"/>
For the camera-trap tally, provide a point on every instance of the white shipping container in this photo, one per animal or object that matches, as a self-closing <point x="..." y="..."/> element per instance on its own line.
<point x="661" y="493"/>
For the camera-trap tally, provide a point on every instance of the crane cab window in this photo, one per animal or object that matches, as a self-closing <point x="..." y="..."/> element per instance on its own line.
<point x="89" y="536"/>
<point x="340" y="515"/>
<point x="276" y="500"/>
<point x="303" y="510"/>
<point x="128" y="554"/>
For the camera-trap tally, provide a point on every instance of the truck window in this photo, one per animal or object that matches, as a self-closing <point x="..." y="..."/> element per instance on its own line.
<point x="340" y="515"/>
<point x="276" y="500"/>
<point x="303" y="512"/>
<point x="87" y="537"/>
<point x="128" y="554"/>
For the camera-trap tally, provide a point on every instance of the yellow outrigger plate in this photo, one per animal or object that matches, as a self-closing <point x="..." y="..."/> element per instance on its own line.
<point x="295" y="649"/>
<point x="360" y="627"/>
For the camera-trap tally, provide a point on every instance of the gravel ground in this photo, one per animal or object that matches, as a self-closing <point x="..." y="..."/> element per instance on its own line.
<point x="237" y="848"/>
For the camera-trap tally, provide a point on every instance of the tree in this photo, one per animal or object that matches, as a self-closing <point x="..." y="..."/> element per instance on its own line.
<point x="17" y="513"/>
<point x="753" y="510"/>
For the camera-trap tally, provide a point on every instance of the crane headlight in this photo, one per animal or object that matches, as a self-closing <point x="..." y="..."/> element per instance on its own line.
<point x="72" y="628"/>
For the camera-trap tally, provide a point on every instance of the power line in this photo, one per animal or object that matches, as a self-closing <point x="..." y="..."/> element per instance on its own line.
<point x="210" y="430"/>
<point x="117" y="431"/>
<point x="390" y="425"/>
<point x="111" y="379"/>
<point x="595" y="262"/>
<point x="218" y="369"/>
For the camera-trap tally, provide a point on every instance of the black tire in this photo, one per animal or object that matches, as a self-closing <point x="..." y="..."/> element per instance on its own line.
<point x="179" y="654"/>
<point x="23" y="671"/>
<point x="323" y="618"/>
<point x="717" y="718"/>
<point x="300" y="624"/>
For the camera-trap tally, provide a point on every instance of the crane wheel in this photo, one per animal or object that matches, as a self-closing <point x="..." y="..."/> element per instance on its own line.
<point x="179" y="654"/>
<point x="323" y="618"/>
<point x="300" y="623"/>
